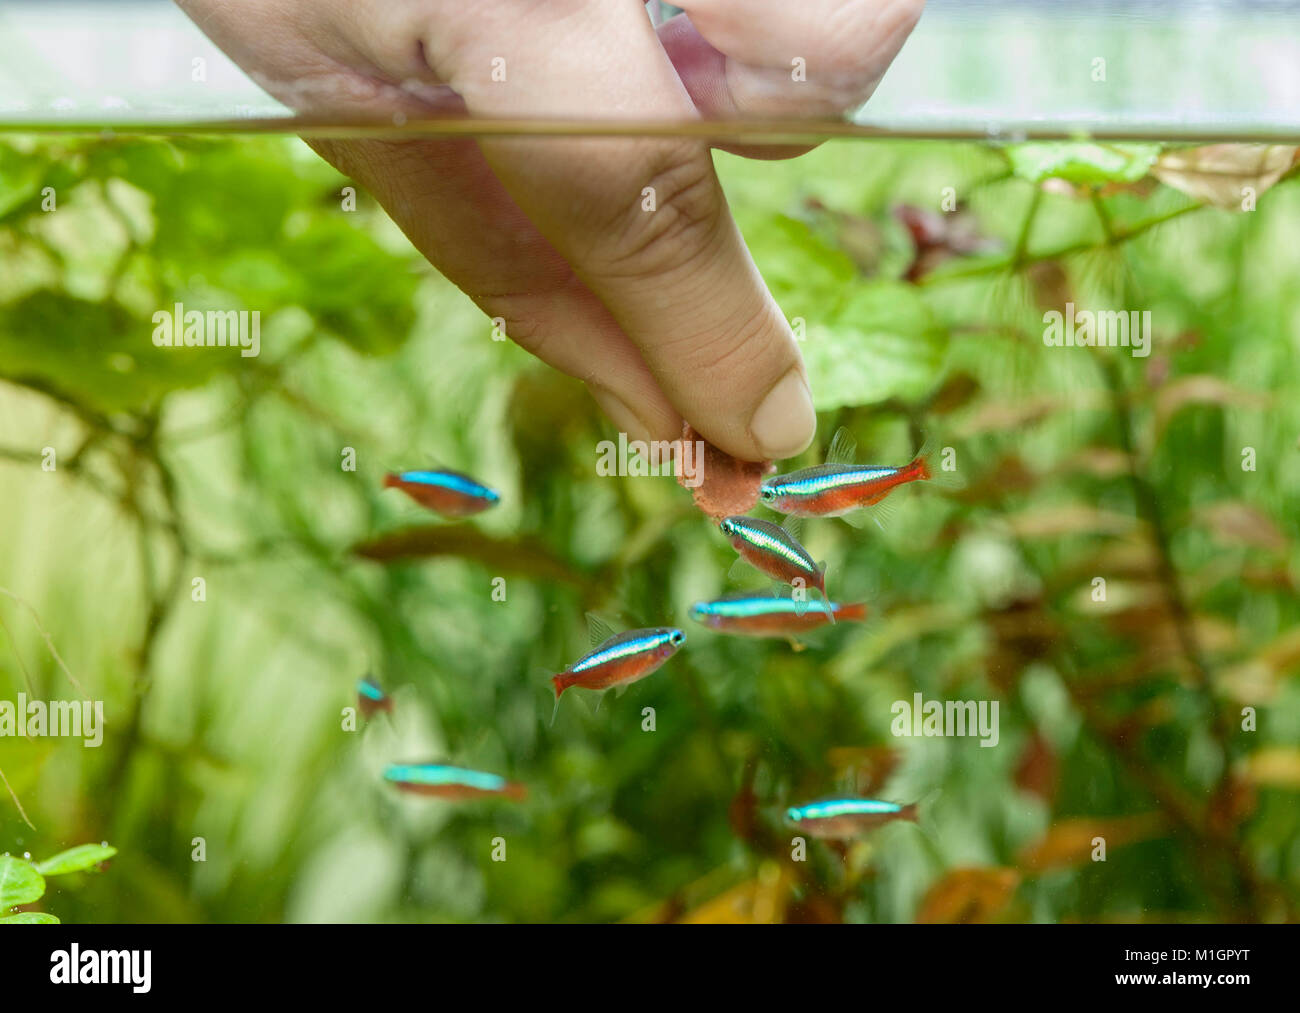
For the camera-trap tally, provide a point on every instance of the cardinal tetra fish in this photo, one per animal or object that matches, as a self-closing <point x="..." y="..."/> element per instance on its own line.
<point x="452" y="783"/>
<point x="761" y="615"/>
<point x="445" y="492"/>
<point x="840" y="486"/>
<point x="371" y="697"/>
<point x="841" y="818"/>
<point x="775" y="551"/>
<point x="620" y="660"/>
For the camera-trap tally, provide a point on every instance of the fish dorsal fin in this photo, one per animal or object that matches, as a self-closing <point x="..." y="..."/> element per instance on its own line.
<point x="794" y="528"/>
<point x="418" y="462"/>
<point x="843" y="449"/>
<point x="598" y="631"/>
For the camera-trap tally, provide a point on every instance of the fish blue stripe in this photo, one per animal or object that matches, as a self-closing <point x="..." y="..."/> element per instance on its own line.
<point x="438" y="775"/>
<point x="842" y="807"/>
<point x="450" y="480"/>
<point x="764" y="539"/>
<point x="626" y="649"/>
<point x="813" y="484"/>
<point x="369" y="689"/>
<point x="760" y="605"/>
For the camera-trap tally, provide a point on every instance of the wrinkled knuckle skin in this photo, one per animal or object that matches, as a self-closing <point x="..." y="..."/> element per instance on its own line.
<point x="522" y="319"/>
<point x="688" y="208"/>
<point x="727" y="353"/>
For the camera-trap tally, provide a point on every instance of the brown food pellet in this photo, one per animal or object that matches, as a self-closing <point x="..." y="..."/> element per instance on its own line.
<point x="729" y="485"/>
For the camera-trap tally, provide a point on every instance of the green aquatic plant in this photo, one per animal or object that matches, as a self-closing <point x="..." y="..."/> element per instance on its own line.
<point x="22" y="882"/>
<point x="254" y="577"/>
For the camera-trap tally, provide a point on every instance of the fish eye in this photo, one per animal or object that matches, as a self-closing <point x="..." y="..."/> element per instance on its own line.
<point x="727" y="527"/>
<point x="677" y="637"/>
<point x="767" y="494"/>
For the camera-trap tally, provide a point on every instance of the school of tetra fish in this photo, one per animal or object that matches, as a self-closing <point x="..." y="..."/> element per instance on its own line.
<point x="838" y="488"/>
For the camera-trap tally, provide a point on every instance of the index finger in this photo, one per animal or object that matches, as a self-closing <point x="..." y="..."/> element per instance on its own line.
<point x="643" y="222"/>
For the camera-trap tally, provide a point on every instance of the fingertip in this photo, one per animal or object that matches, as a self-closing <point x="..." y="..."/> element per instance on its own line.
<point x="785" y="421"/>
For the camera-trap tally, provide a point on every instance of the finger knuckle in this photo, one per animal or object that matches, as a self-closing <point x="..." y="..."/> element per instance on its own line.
<point x="730" y="351"/>
<point x="674" y="220"/>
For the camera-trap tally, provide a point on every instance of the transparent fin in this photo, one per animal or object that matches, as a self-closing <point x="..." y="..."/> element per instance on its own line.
<point x="943" y="464"/>
<point x="826" y="598"/>
<point x="880" y="514"/>
<point x="855" y="519"/>
<point x="598" y="630"/>
<point x="843" y="448"/>
<point x="740" y="570"/>
<point x="800" y="598"/>
<point x="793" y="525"/>
<point x="883" y="512"/>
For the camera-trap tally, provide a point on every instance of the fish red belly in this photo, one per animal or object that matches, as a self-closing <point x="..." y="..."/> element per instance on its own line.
<point x="776" y="625"/>
<point x="614" y="673"/>
<point x="847" y="497"/>
<point x="775" y="566"/>
<point x="447" y="502"/>
<point x="460" y="792"/>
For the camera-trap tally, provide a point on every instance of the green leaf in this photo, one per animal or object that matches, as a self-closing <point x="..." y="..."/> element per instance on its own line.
<point x="30" y="918"/>
<point x="882" y="343"/>
<point x="96" y="353"/>
<point x="1081" y="162"/>
<point x="78" y="859"/>
<point x="20" y="883"/>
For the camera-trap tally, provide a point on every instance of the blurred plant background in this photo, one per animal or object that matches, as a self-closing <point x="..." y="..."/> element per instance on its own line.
<point x="1172" y="478"/>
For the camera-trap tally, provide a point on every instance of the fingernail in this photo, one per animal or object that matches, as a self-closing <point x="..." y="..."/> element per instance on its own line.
<point x="618" y="412"/>
<point x="785" y="422"/>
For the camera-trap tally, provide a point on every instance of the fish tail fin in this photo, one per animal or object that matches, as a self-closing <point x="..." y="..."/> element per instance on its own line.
<point x="944" y="473"/>
<point x="853" y="611"/>
<point x="821" y="586"/>
<point x="923" y="462"/>
<point x="923" y="822"/>
<point x="561" y="682"/>
<point x="516" y="791"/>
<point x="922" y="808"/>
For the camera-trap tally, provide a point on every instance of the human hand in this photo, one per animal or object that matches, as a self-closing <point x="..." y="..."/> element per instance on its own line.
<point x="661" y="313"/>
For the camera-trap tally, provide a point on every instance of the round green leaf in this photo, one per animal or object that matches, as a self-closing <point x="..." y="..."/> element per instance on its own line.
<point x="882" y="343"/>
<point x="20" y="883"/>
<point x="1082" y="162"/>
<point x="30" y="918"/>
<point x="78" y="859"/>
